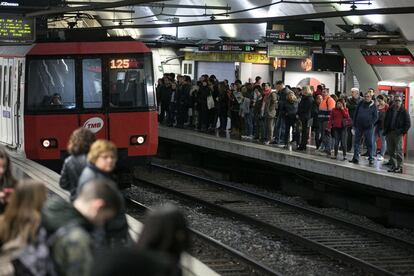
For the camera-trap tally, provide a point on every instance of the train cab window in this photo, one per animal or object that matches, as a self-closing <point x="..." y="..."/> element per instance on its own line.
<point x="126" y="82"/>
<point x="92" y="83"/>
<point x="51" y="84"/>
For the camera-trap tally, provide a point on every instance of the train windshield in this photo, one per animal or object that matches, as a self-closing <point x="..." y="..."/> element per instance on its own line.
<point x="130" y="83"/>
<point x="52" y="84"/>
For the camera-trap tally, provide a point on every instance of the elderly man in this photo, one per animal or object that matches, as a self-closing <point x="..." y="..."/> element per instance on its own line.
<point x="365" y="117"/>
<point x="397" y="123"/>
<point x="352" y="104"/>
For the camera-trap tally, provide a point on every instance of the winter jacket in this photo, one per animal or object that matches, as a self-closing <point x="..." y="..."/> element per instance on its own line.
<point x="89" y="173"/>
<point x="281" y="99"/>
<point x="402" y="122"/>
<point x="305" y="107"/>
<point x="270" y="106"/>
<point x="352" y="104"/>
<point x="291" y="108"/>
<point x="71" y="171"/>
<point x="117" y="228"/>
<point x="366" y="115"/>
<point x="325" y="108"/>
<point x="72" y="252"/>
<point x="337" y="116"/>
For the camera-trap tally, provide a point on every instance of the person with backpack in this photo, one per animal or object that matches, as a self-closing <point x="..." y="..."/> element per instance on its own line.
<point x="71" y="227"/>
<point x="7" y="181"/>
<point x="24" y="249"/>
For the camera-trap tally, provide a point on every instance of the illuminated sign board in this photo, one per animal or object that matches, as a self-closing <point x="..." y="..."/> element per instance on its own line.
<point x="230" y="48"/>
<point x="399" y="56"/>
<point x="16" y="28"/>
<point x="130" y="63"/>
<point x="288" y="51"/>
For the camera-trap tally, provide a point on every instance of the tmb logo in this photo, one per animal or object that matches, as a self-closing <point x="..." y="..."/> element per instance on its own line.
<point x="94" y="124"/>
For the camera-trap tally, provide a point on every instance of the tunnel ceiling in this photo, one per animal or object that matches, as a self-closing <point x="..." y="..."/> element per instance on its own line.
<point x="164" y="12"/>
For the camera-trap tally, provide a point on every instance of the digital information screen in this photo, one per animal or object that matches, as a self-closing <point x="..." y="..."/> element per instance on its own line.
<point x="288" y="51"/>
<point x="16" y="28"/>
<point x="125" y="64"/>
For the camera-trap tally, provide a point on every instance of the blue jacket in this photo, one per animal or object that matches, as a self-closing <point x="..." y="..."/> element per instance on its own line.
<point x="366" y="115"/>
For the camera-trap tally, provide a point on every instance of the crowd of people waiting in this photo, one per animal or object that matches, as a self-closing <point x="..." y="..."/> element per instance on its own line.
<point x="257" y="112"/>
<point x="43" y="235"/>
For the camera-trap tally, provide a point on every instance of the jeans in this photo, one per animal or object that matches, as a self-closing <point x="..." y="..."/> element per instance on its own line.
<point x="325" y="136"/>
<point x="280" y="128"/>
<point x="395" y="149"/>
<point x="248" y="120"/>
<point x="290" y="123"/>
<point x="359" y="133"/>
<point x="305" y="133"/>
<point x="379" y="133"/>
<point x="340" y="135"/>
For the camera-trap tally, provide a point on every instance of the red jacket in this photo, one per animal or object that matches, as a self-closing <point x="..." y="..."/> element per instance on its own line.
<point x="336" y="118"/>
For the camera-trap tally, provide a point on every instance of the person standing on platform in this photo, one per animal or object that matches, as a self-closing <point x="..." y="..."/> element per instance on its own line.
<point x="305" y="115"/>
<point x="78" y="147"/>
<point x="397" y="123"/>
<point x="379" y="128"/>
<point x="325" y="108"/>
<point x="269" y="102"/>
<point x="352" y="104"/>
<point x="366" y="115"/>
<point x="183" y="101"/>
<point x="7" y="181"/>
<point x="165" y="96"/>
<point x="338" y="123"/>
<point x="282" y="92"/>
<point x="291" y="109"/>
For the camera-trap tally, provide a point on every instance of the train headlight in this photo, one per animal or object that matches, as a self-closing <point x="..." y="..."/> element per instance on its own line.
<point x="137" y="140"/>
<point x="49" y="143"/>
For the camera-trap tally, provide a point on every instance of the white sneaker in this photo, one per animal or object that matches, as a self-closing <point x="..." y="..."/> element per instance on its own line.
<point x="380" y="158"/>
<point x="267" y="143"/>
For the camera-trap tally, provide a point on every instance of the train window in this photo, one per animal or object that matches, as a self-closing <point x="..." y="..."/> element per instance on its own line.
<point x="126" y="82"/>
<point x="92" y="83"/>
<point x="51" y="84"/>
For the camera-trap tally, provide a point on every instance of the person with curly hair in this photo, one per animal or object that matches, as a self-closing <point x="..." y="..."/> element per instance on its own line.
<point x="78" y="146"/>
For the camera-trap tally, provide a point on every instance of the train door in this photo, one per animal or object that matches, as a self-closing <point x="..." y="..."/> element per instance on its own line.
<point x="17" y="99"/>
<point x="2" y="120"/>
<point x="94" y="116"/>
<point x="6" y="101"/>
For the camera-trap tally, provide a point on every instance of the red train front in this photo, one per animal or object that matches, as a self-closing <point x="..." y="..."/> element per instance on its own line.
<point x="104" y="86"/>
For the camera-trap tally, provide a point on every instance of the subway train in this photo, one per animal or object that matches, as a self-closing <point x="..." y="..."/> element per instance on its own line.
<point x="49" y="89"/>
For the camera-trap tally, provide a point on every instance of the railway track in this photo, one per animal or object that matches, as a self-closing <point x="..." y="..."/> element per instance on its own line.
<point x="219" y="257"/>
<point x="374" y="252"/>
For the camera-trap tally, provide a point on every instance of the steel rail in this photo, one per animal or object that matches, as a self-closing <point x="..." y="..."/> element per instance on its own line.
<point x="235" y="253"/>
<point x="306" y="242"/>
<point x="289" y="204"/>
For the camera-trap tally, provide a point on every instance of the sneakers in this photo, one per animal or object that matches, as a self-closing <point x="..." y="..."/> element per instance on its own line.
<point x="396" y="170"/>
<point x="355" y="161"/>
<point x="371" y="161"/>
<point x="380" y="158"/>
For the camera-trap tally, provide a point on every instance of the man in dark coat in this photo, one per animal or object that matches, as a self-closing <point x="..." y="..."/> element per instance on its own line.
<point x="397" y="123"/>
<point x="305" y="116"/>
<point x="366" y="115"/>
<point x="352" y="103"/>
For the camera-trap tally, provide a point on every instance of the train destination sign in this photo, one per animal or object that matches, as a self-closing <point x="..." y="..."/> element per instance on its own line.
<point x="288" y="51"/>
<point x="16" y="28"/>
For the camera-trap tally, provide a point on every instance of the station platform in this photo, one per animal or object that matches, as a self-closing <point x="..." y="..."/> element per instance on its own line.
<point x="25" y="168"/>
<point x="375" y="176"/>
